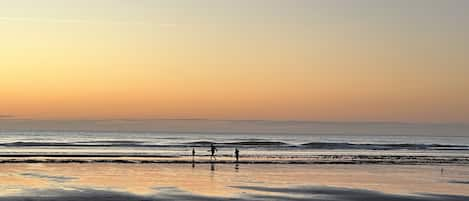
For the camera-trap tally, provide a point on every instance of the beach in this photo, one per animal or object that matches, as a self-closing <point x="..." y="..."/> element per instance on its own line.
<point x="113" y="181"/>
<point x="78" y="166"/>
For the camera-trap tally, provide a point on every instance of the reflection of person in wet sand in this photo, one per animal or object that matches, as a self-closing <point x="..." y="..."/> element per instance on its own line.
<point x="212" y="150"/>
<point x="212" y="167"/>
<point x="237" y="154"/>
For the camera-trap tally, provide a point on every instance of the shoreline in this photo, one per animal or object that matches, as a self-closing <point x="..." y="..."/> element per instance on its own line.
<point x="332" y="160"/>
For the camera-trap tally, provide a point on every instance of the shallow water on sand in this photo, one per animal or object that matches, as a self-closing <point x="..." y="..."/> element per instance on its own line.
<point x="154" y="181"/>
<point x="279" y="148"/>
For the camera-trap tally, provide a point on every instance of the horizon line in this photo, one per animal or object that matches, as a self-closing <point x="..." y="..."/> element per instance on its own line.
<point x="13" y="118"/>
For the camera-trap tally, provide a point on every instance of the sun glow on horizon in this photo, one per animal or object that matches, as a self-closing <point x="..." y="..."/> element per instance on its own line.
<point x="304" y="60"/>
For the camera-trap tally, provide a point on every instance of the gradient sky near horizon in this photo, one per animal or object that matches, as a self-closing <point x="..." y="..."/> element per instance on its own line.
<point x="357" y="60"/>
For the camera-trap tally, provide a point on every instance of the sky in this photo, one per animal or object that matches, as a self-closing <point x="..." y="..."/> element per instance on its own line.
<point x="357" y="60"/>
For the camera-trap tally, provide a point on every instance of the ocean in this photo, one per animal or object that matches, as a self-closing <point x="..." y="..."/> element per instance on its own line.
<point x="152" y="160"/>
<point x="254" y="148"/>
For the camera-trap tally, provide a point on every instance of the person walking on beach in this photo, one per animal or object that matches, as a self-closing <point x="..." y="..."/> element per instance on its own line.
<point x="237" y="154"/>
<point x="193" y="155"/>
<point x="213" y="149"/>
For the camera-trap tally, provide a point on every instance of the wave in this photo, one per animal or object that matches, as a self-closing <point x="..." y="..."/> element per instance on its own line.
<point x="34" y="144"/>
<point x="325" y="145"/>
<point x="258" y="143"/>
<point x="246" y="144"/>
<point x="200" y="143"/>
<point x="77" y="144"/>
<point x="241" y="143"/>
<point x="112" y="142"/>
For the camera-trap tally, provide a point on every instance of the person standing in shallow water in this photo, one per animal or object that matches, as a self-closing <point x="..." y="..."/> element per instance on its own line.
<point x="193" y="157"/>
<point x="213" y="149"/>
<point x="237" y="154"/>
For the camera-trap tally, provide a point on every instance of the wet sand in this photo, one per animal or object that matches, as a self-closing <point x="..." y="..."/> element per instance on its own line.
<point x="228" y="159"/>
<point x="114" y="181"/>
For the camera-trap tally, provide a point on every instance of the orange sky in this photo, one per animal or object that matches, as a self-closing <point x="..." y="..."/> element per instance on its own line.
<point x="300" y="60"/>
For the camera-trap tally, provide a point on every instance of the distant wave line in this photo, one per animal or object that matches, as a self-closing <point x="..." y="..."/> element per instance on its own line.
<point x="247" y="144"/>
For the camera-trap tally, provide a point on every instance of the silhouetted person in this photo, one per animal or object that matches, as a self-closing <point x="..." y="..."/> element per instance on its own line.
<point x="237" y="154"/>
<point x="193" y="157"/>
<point x="213" y="149"/>
<point x="442" y="171"/>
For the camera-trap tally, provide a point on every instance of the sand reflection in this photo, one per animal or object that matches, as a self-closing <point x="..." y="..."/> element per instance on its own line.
<point x="219" y="179"/>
